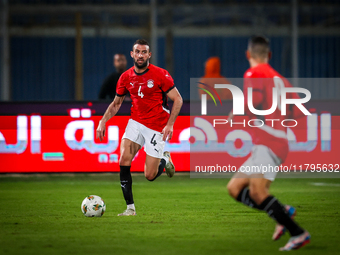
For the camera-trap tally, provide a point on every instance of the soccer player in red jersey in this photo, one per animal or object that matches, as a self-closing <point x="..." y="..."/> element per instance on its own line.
<point x="151" y="123"/>
<point x="270" y="145"/>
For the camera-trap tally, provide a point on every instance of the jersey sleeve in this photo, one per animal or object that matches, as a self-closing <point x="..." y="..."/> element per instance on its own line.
<point x="121" y="89"/>
<point x="168" y="82"/>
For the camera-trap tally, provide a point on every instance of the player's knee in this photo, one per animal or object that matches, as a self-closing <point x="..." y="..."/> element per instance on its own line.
<point x="150" y="176"/>
<point x="124" y="161"/>
<point x="233" y="189"/>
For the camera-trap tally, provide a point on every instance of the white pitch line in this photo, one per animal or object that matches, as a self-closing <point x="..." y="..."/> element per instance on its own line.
<point x="325" y="184"/>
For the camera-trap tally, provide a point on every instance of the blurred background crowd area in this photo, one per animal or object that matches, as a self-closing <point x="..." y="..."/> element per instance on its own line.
<point x="63" y="49"/>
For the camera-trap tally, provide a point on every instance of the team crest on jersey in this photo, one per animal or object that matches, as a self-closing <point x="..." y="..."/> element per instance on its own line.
<point x="150" y="84"/>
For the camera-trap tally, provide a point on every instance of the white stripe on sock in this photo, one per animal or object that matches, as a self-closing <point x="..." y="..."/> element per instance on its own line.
<point x="269" y="204"/>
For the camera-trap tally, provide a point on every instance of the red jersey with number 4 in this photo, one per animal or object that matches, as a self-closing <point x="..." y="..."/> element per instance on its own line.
<point x="272" y="134"/>
<point x="148" y="93"/>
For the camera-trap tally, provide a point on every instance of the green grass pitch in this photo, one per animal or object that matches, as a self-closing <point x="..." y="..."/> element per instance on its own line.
<point x="41" y="215"/>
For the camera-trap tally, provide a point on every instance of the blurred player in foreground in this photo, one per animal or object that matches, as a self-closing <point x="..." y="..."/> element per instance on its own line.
<point x="151" y="123"/>
<point x="271" y="146"/>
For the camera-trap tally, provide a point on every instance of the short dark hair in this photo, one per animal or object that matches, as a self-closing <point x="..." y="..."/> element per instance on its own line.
<point x="259" y="46"/>
<point x="119" y="54"/>
<point x="141" y="42"/>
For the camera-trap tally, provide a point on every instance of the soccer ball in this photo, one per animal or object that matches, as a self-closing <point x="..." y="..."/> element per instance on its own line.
<point x="93" y="206"/>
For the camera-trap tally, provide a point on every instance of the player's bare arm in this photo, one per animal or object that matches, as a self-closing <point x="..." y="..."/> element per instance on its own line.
<point x="109" y="113"/>
<point x="178" y="101"/>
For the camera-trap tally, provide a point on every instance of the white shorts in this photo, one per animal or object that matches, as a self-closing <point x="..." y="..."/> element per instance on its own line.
<point x="151" y="139"/>
<point x="262" y="161"/>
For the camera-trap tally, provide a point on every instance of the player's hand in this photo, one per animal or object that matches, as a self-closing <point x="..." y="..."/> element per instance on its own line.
<point x="167" y="132"/>
<point x="101" y="131"/>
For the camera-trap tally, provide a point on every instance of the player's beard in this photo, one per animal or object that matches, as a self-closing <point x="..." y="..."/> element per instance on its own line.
<point x="142" y="65"/>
